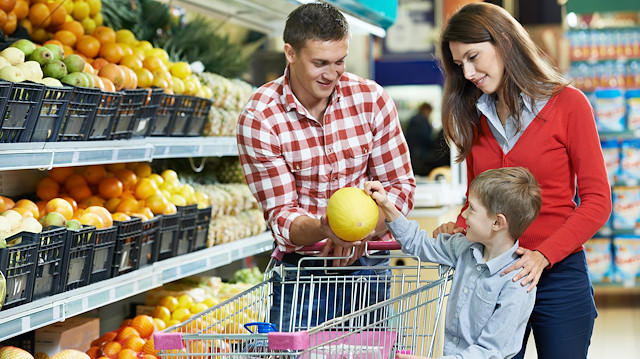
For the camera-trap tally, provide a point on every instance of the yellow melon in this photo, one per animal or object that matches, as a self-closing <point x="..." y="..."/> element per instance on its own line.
<point x="70" y="354"/>
<point x="352" y="214"/>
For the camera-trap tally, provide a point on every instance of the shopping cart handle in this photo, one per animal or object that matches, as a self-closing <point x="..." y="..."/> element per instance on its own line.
<point x="373" y="245"/>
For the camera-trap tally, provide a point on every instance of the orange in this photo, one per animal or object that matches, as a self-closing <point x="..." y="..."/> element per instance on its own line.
<point x="72" y="202"/>
<point x="110" y="349"/>
<point x="98" y="63"/>
<point x="24" y="212"/>
<point x="27" y="25"/>
<point x="61" y="206"/>
<point x="29" y="206"/>
<point x="110" y="187"/>
<point x="73" y="26"/>
<point x="21" y="9"/>
<point x="127" y="332"/>
<point x="88" y="45"/>
<point x="92" y="201"/>
<point x="143" y="169"/>
<point x="130" y="78"/>
<point x="104" y="34"/>
<point x="58" y="14"/>
<point x="10" y="26"/>
<point x="7" y="5"/>
<point x="111" y="51"/>
<point x="114" y="73"/>
<point x="74" y="180"/>
<point x="153" y="63"/>
<point x="91" y="219"/>
<point x="80" y="192"/>
<point x="47" y="189"/>
<point x="94" y="174"/>
<point x="144" y="325"/>
<point x="60" y="174"/>
<point x="39" y="35"/>
<point x="97" y="80"/>
<point x="157" y="203"/>
<point x="130" y="353"/>
<point x="148" y="347"/>
<point x="53" y="41"/>
<point x="145" y="188"/>
<point x="113" y="167"/>
<point x="94" y="352"/>
<point x="127" y="206"/>
<point x="124" y="323"/>
<point x="121" y="217"/>
<point x="3" y="18"/>
<point x="65" y="37"/>
<point x="108" y="84"/>
<point x="105" y="338"/>
<point x="8" y="202"/>
<point x="39" y="15"/>
<point x="41" y="205"/>
<point x="107" y="219"/>
<point x="112" y="204"/>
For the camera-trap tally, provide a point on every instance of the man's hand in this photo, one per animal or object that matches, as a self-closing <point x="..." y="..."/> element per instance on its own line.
<point x="448" y="227"/>
<point x="532" y="264"/>
<point x="337" y="247"/>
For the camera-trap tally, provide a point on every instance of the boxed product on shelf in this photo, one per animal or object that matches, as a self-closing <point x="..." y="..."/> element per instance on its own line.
<point x="609" y="110"/>
<point x="50" y="261"/>
<point x="127" y="251"/>
<point x="18" y="265"/>
<point x="611" y="155"/>
<point x="19" y="115"/>
<point x="73" y="333"/>
<point x="54" y="108"/>
<point x="630" y="160"/>
<point x="81" y="111"/>
<point x="626" y="251"/>
<point x="599" y="258"/>
<point x="633" y="109"/>
<point x="626" y="207"/>
<point x="149" y="239"/>
<point x="78" y="255"/>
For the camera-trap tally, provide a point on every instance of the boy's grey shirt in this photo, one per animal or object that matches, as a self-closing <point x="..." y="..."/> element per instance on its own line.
<point x="486" y="313"/>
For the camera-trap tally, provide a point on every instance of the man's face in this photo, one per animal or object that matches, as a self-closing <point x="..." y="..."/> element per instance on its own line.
<point x="316" y="68"/>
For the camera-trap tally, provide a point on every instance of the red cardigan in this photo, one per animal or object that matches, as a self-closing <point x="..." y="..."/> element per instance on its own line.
<point x="561" y="148"/>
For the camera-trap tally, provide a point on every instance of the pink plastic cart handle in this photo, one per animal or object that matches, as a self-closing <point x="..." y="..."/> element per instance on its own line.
<point x="375" y="246"/>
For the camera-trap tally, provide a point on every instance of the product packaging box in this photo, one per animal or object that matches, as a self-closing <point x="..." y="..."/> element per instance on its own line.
<point x="73" y="333"/>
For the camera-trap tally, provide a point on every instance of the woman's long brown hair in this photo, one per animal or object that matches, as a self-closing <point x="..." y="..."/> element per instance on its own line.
<point x="525" y="70"/>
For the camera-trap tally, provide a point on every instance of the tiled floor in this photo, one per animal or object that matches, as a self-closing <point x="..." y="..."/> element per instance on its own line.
<point x="617" y="329"/>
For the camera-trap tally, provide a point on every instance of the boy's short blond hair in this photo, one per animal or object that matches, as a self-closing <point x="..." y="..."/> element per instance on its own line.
<point x="512" y="192"/>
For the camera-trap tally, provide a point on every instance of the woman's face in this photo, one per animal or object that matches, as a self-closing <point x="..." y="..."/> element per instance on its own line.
<point x="480" y="63"/>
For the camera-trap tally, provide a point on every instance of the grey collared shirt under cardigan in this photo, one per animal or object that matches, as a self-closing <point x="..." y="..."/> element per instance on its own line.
<point x="486" y="313"/>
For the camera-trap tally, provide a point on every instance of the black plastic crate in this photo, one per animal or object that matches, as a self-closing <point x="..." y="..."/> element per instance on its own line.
<point x="127" y="116"/>
<point x="168" y="237"/>
<point x="162" y="123"/>
<point x="182" y="114"/>
<point x="105" y="117"/>
<point x="149" y="241"/>
<point x="78" y="256"/>
<point x="103" y="252"/>
<point x="18" y="265"/>
<point x="186" y="234"/>
<point x="127" y="254"/>
<point x="81" y="111"/>
<point x="49" y="266"/>
<point x="148" y="111"/>
<point x="25" y="341"/>
<point x="203" y="217"/>
<point x="21" y="112"/>
<point x="197" y="121"/>
<point x="55" y="102"/>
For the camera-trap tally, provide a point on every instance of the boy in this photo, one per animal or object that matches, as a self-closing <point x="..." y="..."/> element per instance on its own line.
<point x="486" y="313"/>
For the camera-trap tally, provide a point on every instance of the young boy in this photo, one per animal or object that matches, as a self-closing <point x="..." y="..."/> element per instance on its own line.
<point x="486" y="313"/>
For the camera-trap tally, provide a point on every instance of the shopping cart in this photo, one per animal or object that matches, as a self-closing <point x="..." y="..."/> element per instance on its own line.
<point x="405" y="318"/>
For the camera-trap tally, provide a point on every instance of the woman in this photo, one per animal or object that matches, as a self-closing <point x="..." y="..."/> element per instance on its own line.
<point x="505" y="106"/>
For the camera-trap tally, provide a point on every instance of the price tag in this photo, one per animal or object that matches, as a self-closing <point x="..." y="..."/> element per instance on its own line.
<point x="75" y="157"/>
<point x="56" y="312"/>
<point x="85" y="303"/>
<point x="135" y="287"/>
<point x="114" y="154"/>
<point x="26" y="323"/>
<point x="112" y="294"/>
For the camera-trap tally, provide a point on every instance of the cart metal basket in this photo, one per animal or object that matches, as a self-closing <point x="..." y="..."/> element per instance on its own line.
<point x="405" y="318"/>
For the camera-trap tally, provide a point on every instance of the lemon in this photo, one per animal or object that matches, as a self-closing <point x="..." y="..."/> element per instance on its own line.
<point x="170" y="302"/>
<point x="185" y="301"/>
<point x="125" y="36"/>
<point x="181" y="69"/>
<point x="181" y="314"/>
<point x="199" y="307"/>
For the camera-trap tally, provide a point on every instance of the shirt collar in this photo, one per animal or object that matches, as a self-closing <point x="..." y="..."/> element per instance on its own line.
<point x="487" y="104"/>
<point x="291" y="101"/>
<point x="497" y="263"/>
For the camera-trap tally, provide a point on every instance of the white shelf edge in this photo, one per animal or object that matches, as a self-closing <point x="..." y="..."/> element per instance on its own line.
<point x="49" y="310"/>
<point x="36" y="155"/>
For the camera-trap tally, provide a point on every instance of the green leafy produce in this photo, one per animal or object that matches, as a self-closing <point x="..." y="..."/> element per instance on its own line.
<point x="248" y="276"/>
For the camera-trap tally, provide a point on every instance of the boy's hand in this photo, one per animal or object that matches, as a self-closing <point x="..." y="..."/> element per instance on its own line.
<point x="532" y="264"/>
<point x="448" y="227"/>
<point x="376" y="191"/>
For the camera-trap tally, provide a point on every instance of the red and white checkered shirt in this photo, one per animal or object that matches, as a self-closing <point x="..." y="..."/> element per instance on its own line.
<point x="293" y="163"/>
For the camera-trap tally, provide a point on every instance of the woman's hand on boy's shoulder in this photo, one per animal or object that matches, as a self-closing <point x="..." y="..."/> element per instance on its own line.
<point x="532" y="264"/>
<point x="448" y="227"/>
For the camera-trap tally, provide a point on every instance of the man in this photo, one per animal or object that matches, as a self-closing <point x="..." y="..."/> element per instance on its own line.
<point x="313" y="131"/>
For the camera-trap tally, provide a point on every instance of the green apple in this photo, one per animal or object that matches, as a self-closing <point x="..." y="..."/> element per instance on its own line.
<point x="58" y="52"/>
<point x="41" y="55"/>
<point x="24" y="45"/>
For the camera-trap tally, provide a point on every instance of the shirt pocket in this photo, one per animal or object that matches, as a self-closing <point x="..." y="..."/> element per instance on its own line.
<point x="358" y="157"/>
<point x="483" y="304"/>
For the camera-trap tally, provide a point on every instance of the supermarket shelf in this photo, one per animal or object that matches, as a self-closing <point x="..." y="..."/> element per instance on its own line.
<point x="45" y="311"/>
<point x="46" y="155"/>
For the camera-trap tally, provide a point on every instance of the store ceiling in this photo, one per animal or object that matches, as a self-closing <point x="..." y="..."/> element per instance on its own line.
<point x="266" y="16"/>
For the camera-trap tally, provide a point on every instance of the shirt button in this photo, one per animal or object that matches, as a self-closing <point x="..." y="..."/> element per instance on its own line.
<point x="329" y="150"/>
<point x="465" y="291"/>
<point x="479" y="268"/>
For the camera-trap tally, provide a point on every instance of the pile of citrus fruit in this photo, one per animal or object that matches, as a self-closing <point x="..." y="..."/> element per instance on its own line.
<point x="133" y="340"/>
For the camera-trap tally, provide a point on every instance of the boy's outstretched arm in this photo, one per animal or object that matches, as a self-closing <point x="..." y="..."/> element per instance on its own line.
<point x="377" y="192"/>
